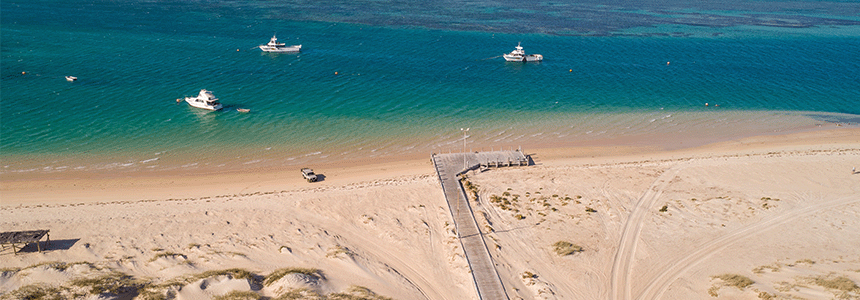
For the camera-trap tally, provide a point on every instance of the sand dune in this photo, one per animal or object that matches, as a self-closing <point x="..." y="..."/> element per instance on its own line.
<point x="782" y="212"/>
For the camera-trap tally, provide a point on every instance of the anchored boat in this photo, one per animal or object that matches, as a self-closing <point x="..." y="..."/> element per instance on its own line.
<point x="519" y="55"/>
<point x="204" y="100"/>
<point x="274" y="46"/>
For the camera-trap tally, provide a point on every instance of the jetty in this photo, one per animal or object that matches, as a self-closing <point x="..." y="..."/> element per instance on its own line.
<point x="448" y="168"/>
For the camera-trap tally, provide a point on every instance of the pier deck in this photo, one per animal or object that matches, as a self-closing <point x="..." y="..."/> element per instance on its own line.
<point x="448" y="166"/>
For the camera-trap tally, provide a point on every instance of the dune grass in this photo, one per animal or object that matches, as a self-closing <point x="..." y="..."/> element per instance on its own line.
<point x="280" y="273"/>
<point x="840" y="283"/>
<point x="735" y="280"/>
<point x="337" y="250"/>
<point x="300" y="294"/>
<point x="356" y="293"/>
<point x="38" y="291"/>
<point x="114" y="282"/>
<point x="564" y="248"/>
<point x="239" y="295"/>
<point x="167" y="254"/>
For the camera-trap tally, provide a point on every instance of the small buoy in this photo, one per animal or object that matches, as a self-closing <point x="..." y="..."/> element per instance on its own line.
<point x="571" y="70"/>
<point x="23" y="73"/>
<point x="716" y="105"/>
<point x="706" y="103"/>
<point x="237" y="50"/>
<point x="667" y="63"/>
<point x="177" y="100"/>
<point x="335" y="73"/>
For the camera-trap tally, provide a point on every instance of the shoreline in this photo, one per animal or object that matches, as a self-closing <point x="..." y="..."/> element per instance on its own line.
<point x="84" y="187"/>
<point x="384" y="227"/>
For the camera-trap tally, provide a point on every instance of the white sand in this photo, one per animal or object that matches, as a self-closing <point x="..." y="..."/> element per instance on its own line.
<point x="781" y="210"/>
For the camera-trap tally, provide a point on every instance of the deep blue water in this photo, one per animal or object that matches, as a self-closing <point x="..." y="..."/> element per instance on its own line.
<point x="380" y="78"/>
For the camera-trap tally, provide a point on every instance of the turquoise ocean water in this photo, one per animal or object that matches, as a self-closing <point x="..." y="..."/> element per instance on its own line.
<point x="379" y="79"/>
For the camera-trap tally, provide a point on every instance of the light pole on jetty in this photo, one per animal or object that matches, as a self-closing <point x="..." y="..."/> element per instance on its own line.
<point x="464" y="147"/>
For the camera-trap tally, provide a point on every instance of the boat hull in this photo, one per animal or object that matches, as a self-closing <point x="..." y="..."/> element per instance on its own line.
<point x="192" y="102"/>
<point x="527" y="58"/>
<point x="295" y="48"/>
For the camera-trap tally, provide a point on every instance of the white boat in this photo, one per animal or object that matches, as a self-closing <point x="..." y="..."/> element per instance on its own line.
<point x="204" y="100"/>
<point x="519" y="55"/>
<point x="274" y="46"/>
<point x="71" y="78"/>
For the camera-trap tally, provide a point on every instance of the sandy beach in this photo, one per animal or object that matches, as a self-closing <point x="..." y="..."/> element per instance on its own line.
<point x="767" y="217"/>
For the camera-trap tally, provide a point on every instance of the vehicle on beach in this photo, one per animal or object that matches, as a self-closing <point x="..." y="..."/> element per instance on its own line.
<point x="519" y="55"/>
<point x="309" y="175"/>
<point x="274" y="46"/>
<point x="204" y="100"/>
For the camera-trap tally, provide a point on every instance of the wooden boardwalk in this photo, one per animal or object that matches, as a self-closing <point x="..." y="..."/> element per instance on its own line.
<point x="448" y="167"/>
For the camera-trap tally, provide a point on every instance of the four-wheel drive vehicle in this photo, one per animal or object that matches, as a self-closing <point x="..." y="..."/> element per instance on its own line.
<point x="309" y="175"/>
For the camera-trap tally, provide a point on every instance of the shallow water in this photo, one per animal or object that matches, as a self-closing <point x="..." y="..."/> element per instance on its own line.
<point x="401" y="78"/>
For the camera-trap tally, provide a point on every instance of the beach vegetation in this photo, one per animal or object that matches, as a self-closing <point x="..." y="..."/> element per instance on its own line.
<point x="300" y="294"/>
<point x="192" y="245"/>
<point x="766" y="296"/>
<point x="114" y="282"/>
<point x="39" y="291"/>
<point x="519" y="217"/>
<point x="356" y="293"/>
<point x="280" y="273"/>
<point x="151" y="292"/>
<point x="564" y="248"/>
<point x="167" y="254"/>
<point x="773" y="268"/>
<point x="239" y="295"/>
<point x="337" y="251"/>
<point x="589" y="209"/>
<point x="664" y="208"/>
<point x="470" y="187"/>
<point x="234" y="253"/>
<point x="735" y="280"/>
<point x="529" y="275"/>
<point x="60" y="266"/>
<point x="839" y="283"/>
<point x="234" y="273"/>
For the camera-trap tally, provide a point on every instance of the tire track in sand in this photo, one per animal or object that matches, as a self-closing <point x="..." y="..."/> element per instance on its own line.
<point x="622" y="265"/>
<point x="657" y="287"/>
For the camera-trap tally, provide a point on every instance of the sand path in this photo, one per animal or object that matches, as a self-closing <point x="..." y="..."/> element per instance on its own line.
<point x="622" y="266"/>
<point x="658" y="286"/>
